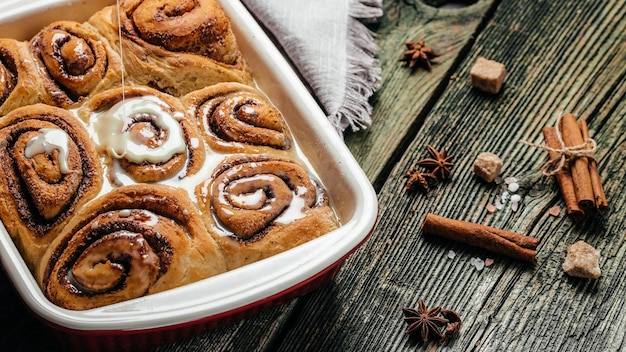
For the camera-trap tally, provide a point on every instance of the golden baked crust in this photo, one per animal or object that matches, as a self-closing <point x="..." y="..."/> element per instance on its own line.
<point x="257" y="206"/>
<point x="198" y="27"/>
<point x="37" y="197"/>
<point x="19" y="86"/>
<point x="133" y="241"/>
<point x="179" y="64"/>
<point x="74" y="63"/>
<point x="237" y="118"/>
<point x="202" y="173"/>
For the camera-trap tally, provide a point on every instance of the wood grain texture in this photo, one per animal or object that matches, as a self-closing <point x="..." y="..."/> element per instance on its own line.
<point x="258" y="333"/>
<point x="406" y="95"/>
<point x="561" y="57"/>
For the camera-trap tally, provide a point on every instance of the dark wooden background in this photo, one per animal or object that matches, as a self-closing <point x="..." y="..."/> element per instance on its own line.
<point x="561" y="56"/>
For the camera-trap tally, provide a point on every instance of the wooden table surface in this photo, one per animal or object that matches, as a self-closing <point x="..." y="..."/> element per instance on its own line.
<point x="561" y="56"/>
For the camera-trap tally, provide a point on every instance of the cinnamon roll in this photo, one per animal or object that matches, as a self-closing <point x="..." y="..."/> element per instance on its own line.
<point x="74" y="63"/>
<point x="49" y="168"/>
<point x="19" y="83"/>
<point x="259" y="206"/>
<point x="146" y="135"/>
<point x="238" y="118"/>
<point x="133" y="241"/>
<point x="175" y="46"/>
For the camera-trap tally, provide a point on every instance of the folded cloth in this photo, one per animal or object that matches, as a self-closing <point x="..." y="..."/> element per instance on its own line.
<point x="333" y="51"/>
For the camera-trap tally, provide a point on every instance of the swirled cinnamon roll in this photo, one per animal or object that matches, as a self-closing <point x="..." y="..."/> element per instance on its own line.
<point x="146" y="135"/>
<point x="238" y="118"/>
<point x="175" y="46"/>
<point x="19" y="83"/>
<point x="74" y="63"/>
<point x="49" y="168"/>
<point x="133" y="241"/>
<point x="259" y="206"/>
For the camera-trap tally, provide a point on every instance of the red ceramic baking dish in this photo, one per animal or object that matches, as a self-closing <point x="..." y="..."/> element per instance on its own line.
<point x="163" y="317"/>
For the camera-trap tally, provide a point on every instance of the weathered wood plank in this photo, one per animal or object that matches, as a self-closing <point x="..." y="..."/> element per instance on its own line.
<point x="258" y="333"/>
<point x="561" y="56"/>
<point x="405" y="94"/>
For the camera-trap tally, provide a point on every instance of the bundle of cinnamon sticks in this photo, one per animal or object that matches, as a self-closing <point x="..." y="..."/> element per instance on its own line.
<point x="579" y="181"/>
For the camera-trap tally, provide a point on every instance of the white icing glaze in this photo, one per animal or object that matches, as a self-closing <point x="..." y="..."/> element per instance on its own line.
<point x="256" y="198"/>
<point x="150" y="218"/>
<point x="296" y="210"/>
<point x="48" y="140"/>
<point x="111" y="132"/>
<point x="58" y="37"/>
<point x="249" y="199"/>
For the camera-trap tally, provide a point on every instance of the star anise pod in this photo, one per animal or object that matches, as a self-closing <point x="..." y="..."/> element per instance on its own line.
<point x="423" y="322"/>
<point x="417" y="53"/>
<point x="440" y="163"/>
<point x="418" y="180"/>
<point x="454" y="323"/>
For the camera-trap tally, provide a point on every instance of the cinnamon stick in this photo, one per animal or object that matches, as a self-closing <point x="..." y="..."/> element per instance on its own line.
<point x="579" y="168"/>
<point x="596" y="182"/>
<point x="563" y="178"/>
<point x="499" y="241"/>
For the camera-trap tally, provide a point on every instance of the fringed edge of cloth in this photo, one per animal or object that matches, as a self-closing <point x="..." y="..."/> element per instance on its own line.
<point x="363" y="76"/>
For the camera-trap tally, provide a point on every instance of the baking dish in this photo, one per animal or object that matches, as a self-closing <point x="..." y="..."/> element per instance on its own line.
<point x="163" y="317"/>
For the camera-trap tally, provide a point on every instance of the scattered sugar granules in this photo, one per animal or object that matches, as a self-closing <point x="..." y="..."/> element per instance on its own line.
<point x="555" y="210"/>
<point x="513" y="187"/>
<point x="508" y="195"/>
<point x="478" y="263"/>
<point x="451" y="254"/>
<point x="509" y="180"/>
<point x="515" y="200"/>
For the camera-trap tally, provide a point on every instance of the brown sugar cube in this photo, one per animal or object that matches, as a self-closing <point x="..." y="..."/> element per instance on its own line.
<point x="582" y="261"/>
<point x="487" y="75"/>
<point x="487" y="166"/>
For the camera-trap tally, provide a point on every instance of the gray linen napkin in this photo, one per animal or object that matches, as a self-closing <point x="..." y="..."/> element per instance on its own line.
<point x="333" y="51"/>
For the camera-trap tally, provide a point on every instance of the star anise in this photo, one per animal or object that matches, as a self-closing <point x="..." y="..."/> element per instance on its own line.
<point x="454" y="323"/>
<point x="439" y="163"/>
<point x="423" y="322"/>
<point x="418" y="180"/>
<point x="417" y="53"/>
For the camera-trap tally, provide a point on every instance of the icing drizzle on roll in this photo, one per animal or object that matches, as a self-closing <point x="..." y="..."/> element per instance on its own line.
<point x="50" y="139"/>
<point x="115" y="134"/>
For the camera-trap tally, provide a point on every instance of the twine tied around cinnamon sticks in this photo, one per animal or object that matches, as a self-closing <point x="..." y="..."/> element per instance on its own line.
<point x="573" y="163"/>
<point x="565" y="154"/>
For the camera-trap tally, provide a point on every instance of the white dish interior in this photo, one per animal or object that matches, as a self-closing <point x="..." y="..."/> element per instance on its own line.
<point x="351" y="193"/>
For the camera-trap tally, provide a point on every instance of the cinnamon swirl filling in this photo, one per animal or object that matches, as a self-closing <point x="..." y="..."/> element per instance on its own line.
<point x="48" y="168"/>
<point x="19" y="81"/>
<point x="73" y="61"/>
<point x="133" y="241"/>
<point x="238" y="117"/>
<point x="193" y="26"/>
<point x="257" y="206"/>
<point x="251" y="194"/>
<point x="8" y="74"/>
